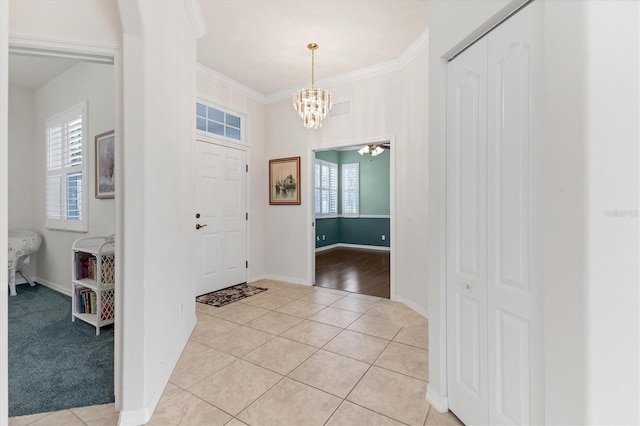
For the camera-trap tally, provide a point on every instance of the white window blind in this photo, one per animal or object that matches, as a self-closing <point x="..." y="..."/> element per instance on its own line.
<point x="326" y="188"/>
<point x="351" y="189"/>
<point x="66" y="170"/>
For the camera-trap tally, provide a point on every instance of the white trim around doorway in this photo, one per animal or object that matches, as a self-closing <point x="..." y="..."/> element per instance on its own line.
<point x="52" y="48"/>
<point x="311" y="238"/>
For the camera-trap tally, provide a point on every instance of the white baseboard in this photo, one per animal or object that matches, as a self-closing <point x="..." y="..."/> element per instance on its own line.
<point x="256" y="278"/>
<point x="329" y="247"/>
<point x="142" y="416"/>
<point x="175" y="357"/>
<point x="133" y="417"/>
<point x="419" y="309"/>
<point x="356" y="246"/>
<point x="64" y="289"/>
<point x="440" y="403"/>
<point x="289" y="280"/>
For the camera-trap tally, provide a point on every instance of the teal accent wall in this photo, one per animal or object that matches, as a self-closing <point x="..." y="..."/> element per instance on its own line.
<point x="375" y="190"/>
<point x="374" y="181"/>
<point x="364" y="231"/>
<point x="332" y="156"/>
<point x="330" y="228"/>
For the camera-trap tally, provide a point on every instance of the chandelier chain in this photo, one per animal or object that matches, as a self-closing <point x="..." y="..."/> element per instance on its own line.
<point x="313" y="68"/>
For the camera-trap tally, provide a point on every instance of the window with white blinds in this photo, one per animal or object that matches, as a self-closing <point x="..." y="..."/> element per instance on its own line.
<point x="326" y="188"/>
<point x="350" y="189"/>
<point x="66" y="170"/>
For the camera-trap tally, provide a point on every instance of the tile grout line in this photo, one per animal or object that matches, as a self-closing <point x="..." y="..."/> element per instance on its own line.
<point x="316" y="349"/>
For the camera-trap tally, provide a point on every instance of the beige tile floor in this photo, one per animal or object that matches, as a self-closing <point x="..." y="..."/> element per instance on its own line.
<point x="293" y="355"/>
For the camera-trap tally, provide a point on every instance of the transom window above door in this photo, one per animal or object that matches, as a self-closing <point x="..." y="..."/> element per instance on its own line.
<point x="219" y="121"/>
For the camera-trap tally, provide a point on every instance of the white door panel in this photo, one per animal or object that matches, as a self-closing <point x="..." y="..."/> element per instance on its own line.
<point x="466" y="234"/>
<point x="489" y="293"/>
<point x="510" y="389"/>
<point x="508" y="232"/>
<point x="221" y="202"/>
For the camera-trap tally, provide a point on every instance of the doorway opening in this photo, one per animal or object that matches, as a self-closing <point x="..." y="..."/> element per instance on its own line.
<point x="45" y="86"/>
<point x="352" y="195"/>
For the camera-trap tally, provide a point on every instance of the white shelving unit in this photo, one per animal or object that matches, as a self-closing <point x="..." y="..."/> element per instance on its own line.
<point x="93" y="273"/>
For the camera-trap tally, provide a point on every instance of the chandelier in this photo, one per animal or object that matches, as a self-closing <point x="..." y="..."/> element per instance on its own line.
<point x="312" y="104"/>
<point x="372" y="150"/>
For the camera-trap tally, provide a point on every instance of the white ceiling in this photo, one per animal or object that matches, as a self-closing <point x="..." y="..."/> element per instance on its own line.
<point x="262" y="44"/>
<point x="32" y="72"/>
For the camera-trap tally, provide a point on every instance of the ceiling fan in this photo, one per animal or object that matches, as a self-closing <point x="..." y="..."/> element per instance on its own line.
<point x="375" y="149"/>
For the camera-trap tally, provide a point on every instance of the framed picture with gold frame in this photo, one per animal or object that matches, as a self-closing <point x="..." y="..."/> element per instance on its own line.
<point x="284" y="181"/>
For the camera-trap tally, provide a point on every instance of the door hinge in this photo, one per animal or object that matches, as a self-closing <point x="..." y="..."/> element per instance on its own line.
<point x="247" y="167"/>
<point x="246" y="263"/>
<point x="247" y="215"/>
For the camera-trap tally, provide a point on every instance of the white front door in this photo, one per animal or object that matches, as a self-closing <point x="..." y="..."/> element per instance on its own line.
<point x="221" y="204"/>
<point x="466" y="234"/>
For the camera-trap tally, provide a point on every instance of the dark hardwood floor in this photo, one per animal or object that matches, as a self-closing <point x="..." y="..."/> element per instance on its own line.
<point x="356" y="270"/>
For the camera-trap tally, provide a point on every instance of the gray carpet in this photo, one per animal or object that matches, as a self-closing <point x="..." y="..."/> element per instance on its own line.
<point x="55" y="364"/>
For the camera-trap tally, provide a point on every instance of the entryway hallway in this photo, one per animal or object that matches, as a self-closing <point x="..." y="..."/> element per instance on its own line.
<point x="294" y="355"/>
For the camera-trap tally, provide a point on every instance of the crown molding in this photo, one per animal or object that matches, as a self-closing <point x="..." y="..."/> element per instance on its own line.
<point x="225" y="81"/>
<point x="37" y="46"/>
<point x="415" y="49"/>
<point x="196" y="17"/>
<point x="405" y="59"/>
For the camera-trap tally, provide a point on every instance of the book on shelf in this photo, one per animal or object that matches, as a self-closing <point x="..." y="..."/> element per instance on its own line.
<point x="86" y="266"/>
<point x="86" y="300"/>
<point x="91" y="268"/>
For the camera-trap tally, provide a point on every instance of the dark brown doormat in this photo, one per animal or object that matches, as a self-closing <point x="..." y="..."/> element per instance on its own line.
<point x="229" y="295"/>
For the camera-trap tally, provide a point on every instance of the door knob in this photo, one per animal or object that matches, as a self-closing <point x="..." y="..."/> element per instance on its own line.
<point x="198" y="226"/>
<point x="466" y="286"/>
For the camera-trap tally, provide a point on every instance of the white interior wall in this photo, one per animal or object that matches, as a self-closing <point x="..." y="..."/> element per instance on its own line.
<point x="159" y="92"/>
<point x="22" y="166"/>
<point x="562" y="231"/>
<point x="388" y="106"/>
<point x="84" y="22"/>
<point x="411" y="184"/>
<point x="612" y="128"/>
<point x="68" y="25"/>
<point x="220" y="94"/>
<point x="95" y="84"/>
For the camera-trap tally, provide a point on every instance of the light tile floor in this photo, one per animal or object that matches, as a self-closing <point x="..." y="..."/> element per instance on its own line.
<point x="293" y="355"/>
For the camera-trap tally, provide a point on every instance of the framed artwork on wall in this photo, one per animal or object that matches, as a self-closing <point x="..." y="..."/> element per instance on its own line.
<point x="105" y="161"/>
<point x="284" y="181"/>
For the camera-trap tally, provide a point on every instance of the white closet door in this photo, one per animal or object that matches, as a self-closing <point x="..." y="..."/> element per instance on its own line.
<point x="489" y="293"/>
<point x="508" y="223"/>
<point x="466" y="235"/>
